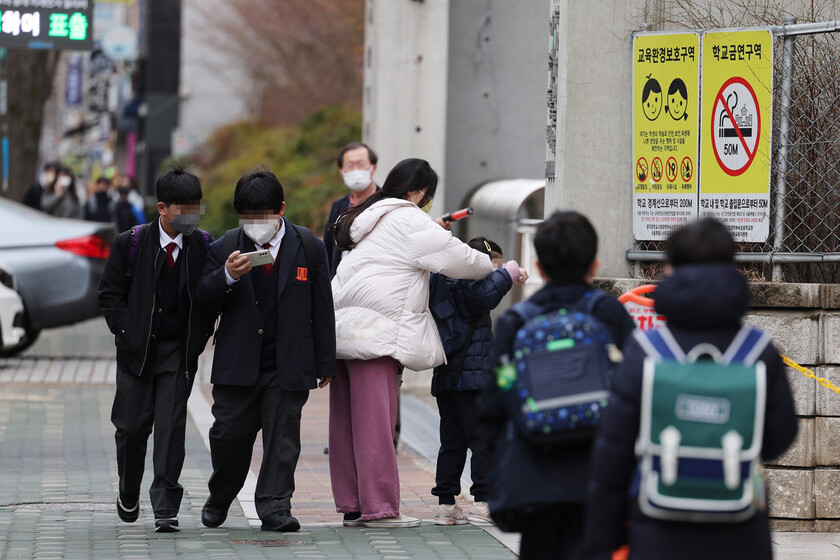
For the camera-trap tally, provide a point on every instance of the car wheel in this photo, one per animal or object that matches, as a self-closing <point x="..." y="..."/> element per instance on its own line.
<point x="28" y="340"/>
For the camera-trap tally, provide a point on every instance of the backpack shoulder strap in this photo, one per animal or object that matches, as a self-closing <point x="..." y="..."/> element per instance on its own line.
<point x="747" y="346"/>
<point x="207" y="240"/>
<point x="133" y="244"/>
<point x="310" y="251"/>
<point x="660" y="344"/>
<point x="526" y="310"/>
<point x="230" y="241"/>
<point x="594" y="299"/>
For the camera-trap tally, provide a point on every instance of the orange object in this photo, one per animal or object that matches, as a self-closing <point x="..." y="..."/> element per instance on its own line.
<point x="622" y="553"/>
<point x="640" y="307"/>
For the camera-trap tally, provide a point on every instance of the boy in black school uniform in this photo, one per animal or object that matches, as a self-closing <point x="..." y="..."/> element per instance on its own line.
<point x="276" y="341"/>
<point x="540" y="491"/>
<point x="147" y="295"/>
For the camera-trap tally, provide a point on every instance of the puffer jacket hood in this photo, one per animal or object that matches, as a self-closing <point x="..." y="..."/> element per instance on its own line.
<point x="381" y="287"/>
<point x="709" y="296"/>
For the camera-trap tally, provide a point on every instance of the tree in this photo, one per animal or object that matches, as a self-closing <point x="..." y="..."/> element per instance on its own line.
<point x="300" y="54"/>
<point x="30" y="77"/>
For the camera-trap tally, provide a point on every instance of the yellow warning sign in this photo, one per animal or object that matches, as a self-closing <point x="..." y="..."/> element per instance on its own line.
<point x="666" y="110"/>
<point x="736" y="124"/>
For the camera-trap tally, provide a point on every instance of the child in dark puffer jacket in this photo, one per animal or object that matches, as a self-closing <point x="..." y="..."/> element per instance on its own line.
<point x="457" y="384"/>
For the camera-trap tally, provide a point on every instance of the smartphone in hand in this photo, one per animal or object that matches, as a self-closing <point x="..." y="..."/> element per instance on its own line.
<point x="259" y="258"/>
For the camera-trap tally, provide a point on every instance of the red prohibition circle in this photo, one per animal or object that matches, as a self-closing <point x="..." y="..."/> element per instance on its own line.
<point x="653" y="167"/>
<point x="668" y="176"/>
<point x="641" y="170"/>
<point x="690" y="169"/>
<point x="712" y="129"/>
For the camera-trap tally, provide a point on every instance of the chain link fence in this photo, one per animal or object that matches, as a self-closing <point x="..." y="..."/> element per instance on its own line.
<point x="804" y="240"/>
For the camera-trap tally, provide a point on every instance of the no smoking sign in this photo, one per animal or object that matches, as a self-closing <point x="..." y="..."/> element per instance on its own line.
<point x="735" y="126"/>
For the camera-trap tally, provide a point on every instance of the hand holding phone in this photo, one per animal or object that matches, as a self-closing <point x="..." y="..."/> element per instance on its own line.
<point x="259" y="258"/>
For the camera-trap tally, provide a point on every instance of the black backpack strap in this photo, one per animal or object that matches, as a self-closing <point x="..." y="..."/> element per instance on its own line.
<point x="310" y="250"/>
<point x="526" y="310"/>
<point x="133" y="244"/>
<point x="594" y="299"/>
<point x="230" y="242"/>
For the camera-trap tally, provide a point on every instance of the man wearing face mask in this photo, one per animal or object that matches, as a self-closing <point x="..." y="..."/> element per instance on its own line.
<point x="276" y="341"/>
<point x="148" y="297"/>
<point x="32" y="198"/>
<point x="356" y="165"/>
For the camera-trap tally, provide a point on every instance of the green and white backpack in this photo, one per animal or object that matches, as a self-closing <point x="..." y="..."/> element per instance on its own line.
<point x="702" y="423"/>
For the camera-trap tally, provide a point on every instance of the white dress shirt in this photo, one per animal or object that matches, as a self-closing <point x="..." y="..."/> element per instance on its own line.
<point x="166" y="240"/>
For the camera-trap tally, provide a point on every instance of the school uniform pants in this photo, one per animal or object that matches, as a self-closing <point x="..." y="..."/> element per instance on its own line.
<point x="141" y="402"/>
<point x="459" y="432"/>
<point x="363" y="461"/>
<point x="551" y="532"/>
<point x="241" y="412"/>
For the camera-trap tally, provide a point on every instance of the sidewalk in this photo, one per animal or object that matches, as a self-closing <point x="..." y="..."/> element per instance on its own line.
<point x="58" y="484"/>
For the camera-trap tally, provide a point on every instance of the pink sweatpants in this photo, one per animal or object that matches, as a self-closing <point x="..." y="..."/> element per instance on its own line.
<point x="363" y="463"/>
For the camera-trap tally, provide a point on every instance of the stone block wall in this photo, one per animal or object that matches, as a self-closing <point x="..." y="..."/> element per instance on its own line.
<point x="804" y="320"/>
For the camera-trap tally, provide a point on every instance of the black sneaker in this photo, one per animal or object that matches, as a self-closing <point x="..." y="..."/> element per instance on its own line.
<point x="353" y="519"/>
<point x="167" y="525"/>
<point x="129" y="515"/>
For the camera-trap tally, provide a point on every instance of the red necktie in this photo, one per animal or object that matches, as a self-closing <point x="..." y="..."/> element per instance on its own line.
<point x="267" y="268"/>
<point x="170" y="259"/>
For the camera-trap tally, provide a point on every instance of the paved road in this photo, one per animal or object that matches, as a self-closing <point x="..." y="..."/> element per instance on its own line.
<point x="58" y="481"/>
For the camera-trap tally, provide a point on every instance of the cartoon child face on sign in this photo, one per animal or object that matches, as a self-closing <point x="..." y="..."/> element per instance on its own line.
<point x="677" y="100"/>
<point x="651" y="99"/>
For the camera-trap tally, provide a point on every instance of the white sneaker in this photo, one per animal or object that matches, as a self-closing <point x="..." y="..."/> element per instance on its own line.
<point x="397" y="522"/>
<point x="447" y="514"/>
<point x="480" y="514"/>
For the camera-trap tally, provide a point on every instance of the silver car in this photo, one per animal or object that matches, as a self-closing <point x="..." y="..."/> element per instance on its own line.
<point x="57" y="264"/>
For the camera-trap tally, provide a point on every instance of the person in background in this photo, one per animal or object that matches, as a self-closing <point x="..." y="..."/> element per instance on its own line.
<point x="356" y="165"/>
<point x="124" y="211"/>
<point x="383" y="323"/>
<point x="99" y="207"/>
<point x="48" y="175"/>
<point x="61" y="199"/>
<point x="134" y="198"/>
<point x="457" y="383"/>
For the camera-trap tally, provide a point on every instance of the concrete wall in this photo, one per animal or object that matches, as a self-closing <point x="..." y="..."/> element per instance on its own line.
<point x="496" y="94"/>
<point x="461" y="84"/>
<point x="405" y="80"/>
<point x="594" y="122"/>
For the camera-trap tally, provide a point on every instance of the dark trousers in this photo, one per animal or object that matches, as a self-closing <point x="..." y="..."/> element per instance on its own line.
<point x="458" y="432"/>
<point x="552" y="532"/>
<point x="142" y="402"/>
<point x="240" y="412"/>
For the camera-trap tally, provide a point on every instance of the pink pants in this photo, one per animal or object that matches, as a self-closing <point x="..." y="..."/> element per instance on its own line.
<point x="363" y="463"/>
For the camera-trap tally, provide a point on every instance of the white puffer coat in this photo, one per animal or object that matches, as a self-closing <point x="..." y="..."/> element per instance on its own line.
<point x="381" y="287"/>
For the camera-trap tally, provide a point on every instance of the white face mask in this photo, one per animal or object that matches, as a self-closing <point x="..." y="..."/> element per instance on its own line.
<point x="47" y="178"/>
<point x="65" y="181"/>
<point x="260" y="231"/>
<point x="358" y="179"/>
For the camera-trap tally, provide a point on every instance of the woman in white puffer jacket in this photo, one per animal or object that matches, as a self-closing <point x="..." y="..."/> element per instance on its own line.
<point x="383" y="323"/>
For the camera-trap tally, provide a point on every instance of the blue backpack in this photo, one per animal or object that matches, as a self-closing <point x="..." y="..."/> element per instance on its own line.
<point x="556" y="381"/>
